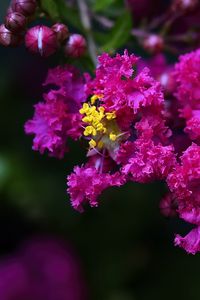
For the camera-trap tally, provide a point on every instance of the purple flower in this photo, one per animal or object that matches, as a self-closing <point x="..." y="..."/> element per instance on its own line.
<point x="183" y="182"/>
<point x="124" y="123"/>
<point x="120" y="85"/>
<point x="44" y="268"/>
<point x="191" y="242"/>
<point x="87" y="183"/>
<point x="57" y="118"/>
<point x="161" y="71"/>
<point x="149" y="161"/>
<point x="187" y="75"/>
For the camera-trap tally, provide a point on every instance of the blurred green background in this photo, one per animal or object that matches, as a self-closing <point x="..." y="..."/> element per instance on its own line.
<point x="125" y="245"/>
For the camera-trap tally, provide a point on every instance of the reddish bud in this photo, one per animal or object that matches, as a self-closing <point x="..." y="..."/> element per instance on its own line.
<point x="168" y="206"/>
<point x="76" y="46"/>
<point x="15" y="22"/>
<point x="153" y="43"/>
<point x="184" y="5"/>
<point x="168" y="82"/>
<point x="61" y="31"/>
<point x="41" y="39"/>
<point x="24" y="7"/>
<point x="8" y="38"/>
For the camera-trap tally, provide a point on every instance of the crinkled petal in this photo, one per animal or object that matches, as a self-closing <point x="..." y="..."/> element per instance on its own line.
<point x="191" y="242"/>
<point x="85" y="184"/>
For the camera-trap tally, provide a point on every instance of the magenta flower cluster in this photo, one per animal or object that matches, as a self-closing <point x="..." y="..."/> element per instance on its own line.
<point x="57" y="118"/>
<point x="139" y="123"/>
<point x="43" y="268"/>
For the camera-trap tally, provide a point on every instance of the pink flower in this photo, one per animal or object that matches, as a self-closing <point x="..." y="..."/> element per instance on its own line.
<point x="193" y="126"/>
<point x="191" y="242"/>
<point x="57" y="118"/>
<point x="187" y="74"/>
<point x="120" y="86"/>
<point x="43" y="268"/>
<point x="125" y="124"/>
<point x="188" y="78"/>
<point x="70" y="83"/>
<point x="149" y="161"/>
<point x="184" y="180"/>
<point x="48" y="125"/>
<point x="87" y="183"/>
<point x="161" y="71"/>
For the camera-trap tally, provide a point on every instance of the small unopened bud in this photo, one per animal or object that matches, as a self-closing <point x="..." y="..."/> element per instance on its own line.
<point x="168" y="82"/>
<point x="24" y="7"/>
<point x="42" y="40"/>
<point x="15" y="22"/>
<point x="153" y="43"/>
<point x="168" y="206"/>
<point x="8" y="38"/>
<point x="61" y="31"/>
<point x="76" y="46"/>
<point x="184" y="5"/>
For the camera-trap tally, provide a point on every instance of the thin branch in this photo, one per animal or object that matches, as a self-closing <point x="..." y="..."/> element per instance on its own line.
<point x="105" y="22"/>
<point x="85" y="19"/>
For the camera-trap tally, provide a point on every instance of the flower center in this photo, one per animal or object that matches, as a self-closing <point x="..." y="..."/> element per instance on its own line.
<point x="101" y="126"/>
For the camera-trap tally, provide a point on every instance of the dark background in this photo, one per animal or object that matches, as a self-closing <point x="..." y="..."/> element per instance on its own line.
<point x="125" y="245"/>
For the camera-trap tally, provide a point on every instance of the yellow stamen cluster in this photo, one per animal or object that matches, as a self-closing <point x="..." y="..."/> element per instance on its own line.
<point x="93" y="117"/>
<point x="112" y="136"/>
<point x="94" y="98"/>
<point x="92" y="143"/>
<point x="97" y="121"/>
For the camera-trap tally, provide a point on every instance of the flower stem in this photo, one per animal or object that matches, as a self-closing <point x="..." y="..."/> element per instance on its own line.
<point x="86" y="22"/>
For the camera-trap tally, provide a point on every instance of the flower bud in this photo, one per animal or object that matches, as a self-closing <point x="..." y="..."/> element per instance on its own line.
<point x="24" y="7"/>
<point x="153" y="43"/>
<point x="8" y="38"/>
<point x="168" y="206"/>
<point x="15" y="22"/>
<point x="76" y="46"/>
<point x="167" y="81"/>
<point x="61" y="31"/>
<point x="184" y="5"/>
<point x="41" y="39"/>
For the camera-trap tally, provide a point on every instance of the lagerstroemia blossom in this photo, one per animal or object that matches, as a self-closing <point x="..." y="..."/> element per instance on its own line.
<point x="43" y="268"/>
<point x="121" y="113"/>
<point x="187" y="72"/>
<point x="57" y="117"/>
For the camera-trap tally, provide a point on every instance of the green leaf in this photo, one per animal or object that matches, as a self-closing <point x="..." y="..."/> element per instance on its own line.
<point x="51" y="8"/>
<point x="60" y="10"/>
<point x="100" y="5"/>
<point x="69" y="15"/>
<point x="119" y="34"/>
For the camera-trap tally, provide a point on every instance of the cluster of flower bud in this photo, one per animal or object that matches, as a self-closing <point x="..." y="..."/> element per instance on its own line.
<point x="13" y="29"/>
<point x="184" y="6"/>
<point x="45" y="40"/>
<point x="39" y="39"/>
